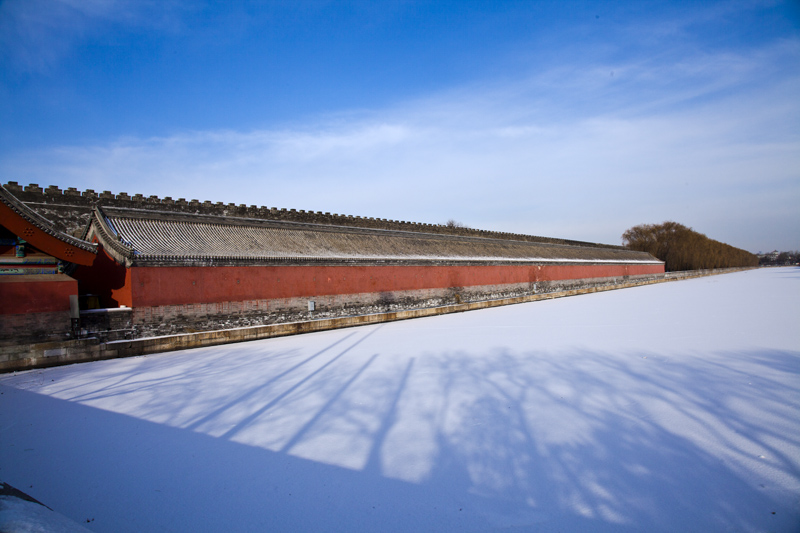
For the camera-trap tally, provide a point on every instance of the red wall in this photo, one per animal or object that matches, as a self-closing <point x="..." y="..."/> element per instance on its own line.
<point x="46" y="294"/>
<point x="106" y="279"/>
<point x="49" y="244"/>
<point x="153" y="286"/>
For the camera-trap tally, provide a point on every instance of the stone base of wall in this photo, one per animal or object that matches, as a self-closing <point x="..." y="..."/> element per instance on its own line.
<point x="108" y="324"/>
<point x="29" y="327"/>
<point x="192" y="318"/>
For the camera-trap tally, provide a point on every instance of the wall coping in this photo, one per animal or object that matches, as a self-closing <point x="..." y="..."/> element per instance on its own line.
<point x="105" y="310"/>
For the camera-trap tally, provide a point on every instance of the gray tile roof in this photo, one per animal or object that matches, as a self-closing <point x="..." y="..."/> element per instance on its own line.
<point x="71" y="210"/>
<point x="142" y="237"/>
<point x="42" y="223"/>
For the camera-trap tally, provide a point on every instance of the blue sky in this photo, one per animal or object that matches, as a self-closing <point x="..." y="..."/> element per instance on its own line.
<point x="564" y="119"/>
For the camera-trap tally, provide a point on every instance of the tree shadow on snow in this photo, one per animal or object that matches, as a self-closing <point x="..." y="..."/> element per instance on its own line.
<point x="343" y="439"/>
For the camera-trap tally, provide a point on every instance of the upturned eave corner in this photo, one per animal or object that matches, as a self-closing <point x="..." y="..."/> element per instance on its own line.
<point x="42" y="233"/>
<point x="99" y="229"/>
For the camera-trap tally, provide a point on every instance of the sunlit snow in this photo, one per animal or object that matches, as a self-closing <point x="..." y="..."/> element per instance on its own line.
<point x="670" y="407"/>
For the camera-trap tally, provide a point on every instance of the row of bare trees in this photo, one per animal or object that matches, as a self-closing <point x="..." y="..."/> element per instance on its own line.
<point x="682" y="248"/>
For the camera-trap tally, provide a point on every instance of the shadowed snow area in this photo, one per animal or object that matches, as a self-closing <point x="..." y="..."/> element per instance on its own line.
<point x="670" y="407"/>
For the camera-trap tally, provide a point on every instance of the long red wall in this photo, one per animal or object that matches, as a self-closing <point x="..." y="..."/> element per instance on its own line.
<point x="36" y="294"/>
<point x="154" y="286"/>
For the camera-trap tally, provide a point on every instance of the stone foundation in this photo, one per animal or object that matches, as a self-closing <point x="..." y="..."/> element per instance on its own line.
<point x="110" y="324"/>
<point x="191" y="318"/>
<point x="39" y="327"/>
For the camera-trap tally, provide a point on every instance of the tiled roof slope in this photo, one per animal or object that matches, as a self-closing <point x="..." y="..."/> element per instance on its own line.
<point x="40" y="222"/>
<point x="142" y="237"/>
<point x="71" y="210"/>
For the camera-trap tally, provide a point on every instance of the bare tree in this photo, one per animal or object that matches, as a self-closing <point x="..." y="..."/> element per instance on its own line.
<point x="455" y="224"/>
<point x="682" y="248"/>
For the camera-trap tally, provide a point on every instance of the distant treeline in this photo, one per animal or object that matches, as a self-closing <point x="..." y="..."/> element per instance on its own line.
<point x="777" y="258"/>
<point x="682" y="248"/>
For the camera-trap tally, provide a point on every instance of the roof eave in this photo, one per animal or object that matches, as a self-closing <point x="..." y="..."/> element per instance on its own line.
<point x="110" y="242"/>
<point x="42" y="233"/>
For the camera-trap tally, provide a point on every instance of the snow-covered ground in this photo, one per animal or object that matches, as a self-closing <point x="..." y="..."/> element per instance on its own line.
<point x="671" y="407"/>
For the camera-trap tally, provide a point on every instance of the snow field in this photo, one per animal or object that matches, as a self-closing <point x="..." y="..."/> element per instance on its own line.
<point x="660" y="408"/>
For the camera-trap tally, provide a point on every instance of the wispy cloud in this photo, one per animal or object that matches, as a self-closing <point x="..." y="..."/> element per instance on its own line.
<point x="36" y="34"/>
<point x="711" y="141"/>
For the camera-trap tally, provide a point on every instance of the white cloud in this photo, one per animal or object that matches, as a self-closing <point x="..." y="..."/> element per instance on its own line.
<point x="36" y="34"/>
<point x="716" y="146"/>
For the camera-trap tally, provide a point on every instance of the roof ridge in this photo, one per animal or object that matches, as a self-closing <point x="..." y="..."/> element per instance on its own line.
<point x="71" y="196"/>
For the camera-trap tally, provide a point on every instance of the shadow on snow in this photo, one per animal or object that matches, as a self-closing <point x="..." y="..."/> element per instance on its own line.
<point x="448" y="441"/>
